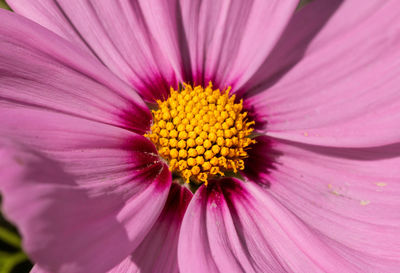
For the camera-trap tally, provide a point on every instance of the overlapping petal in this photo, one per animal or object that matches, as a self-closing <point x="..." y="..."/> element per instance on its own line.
<point x="70" y="212"/>
<point x="77" y="187"/>
<point x="39" y="69"/>
<point x="293" y="43"/>
<point x="242" y="227"/>
<point x="158" y="252"/>
<point x="177" y="40"/>
<point x="344" y="91"/>
<point x="138" y="40"/>
<point x="229" y="40"/>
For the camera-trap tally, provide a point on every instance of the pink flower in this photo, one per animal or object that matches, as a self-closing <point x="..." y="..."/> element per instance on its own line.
<point x="319" y="190"/>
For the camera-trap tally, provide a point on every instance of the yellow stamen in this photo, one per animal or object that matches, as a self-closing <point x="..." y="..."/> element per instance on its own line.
<point x="201" y="132"/>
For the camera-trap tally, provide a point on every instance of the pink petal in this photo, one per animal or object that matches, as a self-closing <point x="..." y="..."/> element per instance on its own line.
<point x="347" y="195"/>
<point x="158" y="252"/>
<point x="303" y="26"/>
<point x="229" y="40"/>
<point x="39" y="69"/>
<point x="83" y="194"/>
<point x="37" y="269"/>
<point x="241" y="227"/>
<point x="344" y="91"/>
<point x="138" y="40"/>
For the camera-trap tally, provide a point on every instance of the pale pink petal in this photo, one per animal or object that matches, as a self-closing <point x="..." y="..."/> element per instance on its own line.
<point x="83" y="194"/>
<point x="348" y="195"/>
<point x="39" y="69"/>
<point x="158" y="251"/>
<point x="232" y="226"/>
<point x="138" y="40"/>
<point x="71" y="228"/>
<point x="229" y="40"/>
<point x="303" y="26"/>
<point x="344" y="92"/>
<point x="37" y="269"/>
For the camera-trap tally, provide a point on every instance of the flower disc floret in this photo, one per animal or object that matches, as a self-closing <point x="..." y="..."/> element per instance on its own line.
<point x="201" y="132"/>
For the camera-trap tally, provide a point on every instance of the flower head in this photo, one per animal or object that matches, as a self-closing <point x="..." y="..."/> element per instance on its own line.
<point x="202" y="136"/>
<point x="201" y="132"/>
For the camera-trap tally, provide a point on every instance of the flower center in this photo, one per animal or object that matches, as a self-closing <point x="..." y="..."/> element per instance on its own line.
<point x="201" y="132"/>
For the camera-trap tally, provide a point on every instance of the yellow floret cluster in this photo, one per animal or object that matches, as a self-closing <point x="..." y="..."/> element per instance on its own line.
<point x="201" y="132"/>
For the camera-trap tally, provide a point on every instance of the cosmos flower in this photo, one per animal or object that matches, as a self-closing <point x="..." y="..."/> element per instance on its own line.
<point x="293" y="166"/>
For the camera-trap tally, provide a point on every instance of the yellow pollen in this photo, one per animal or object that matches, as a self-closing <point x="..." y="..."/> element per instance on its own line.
<point x="201" y="132"/>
